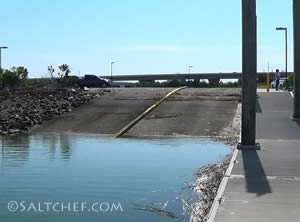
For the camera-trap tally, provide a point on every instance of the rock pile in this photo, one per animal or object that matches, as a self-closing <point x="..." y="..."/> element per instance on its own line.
<point x="21" y="110"/>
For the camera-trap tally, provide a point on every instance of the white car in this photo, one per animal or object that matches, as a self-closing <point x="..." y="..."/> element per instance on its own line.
<point x="281" y="82"/>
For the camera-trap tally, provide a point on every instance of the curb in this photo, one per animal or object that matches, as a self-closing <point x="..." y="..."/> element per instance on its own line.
<point x="136" y="120"/>
<point x="219" y="199"/>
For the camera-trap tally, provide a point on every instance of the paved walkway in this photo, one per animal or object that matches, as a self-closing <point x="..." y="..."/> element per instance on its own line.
<point x="265" y="185"/>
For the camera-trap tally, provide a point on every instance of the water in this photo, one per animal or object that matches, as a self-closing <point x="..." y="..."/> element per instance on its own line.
<point x="103" y="177"/>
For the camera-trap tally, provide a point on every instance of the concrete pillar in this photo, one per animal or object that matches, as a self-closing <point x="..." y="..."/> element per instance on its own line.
<point x="0" y="60"/>
<point x="296" y="14"/>
<point x="249" y="41"/>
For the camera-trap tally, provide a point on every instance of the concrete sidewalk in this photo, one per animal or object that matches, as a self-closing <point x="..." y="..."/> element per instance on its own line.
<point x="265" y="185"/>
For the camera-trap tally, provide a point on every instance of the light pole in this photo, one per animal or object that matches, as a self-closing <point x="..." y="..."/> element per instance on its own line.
<point x="286" y="76"/>
<point x="296" y="18"/>
<point x="189" y="72"/>
<point x="111" y="64"/>
<point x="1" y="47"/>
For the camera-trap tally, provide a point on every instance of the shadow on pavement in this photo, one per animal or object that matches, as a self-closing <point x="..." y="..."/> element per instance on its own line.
<point x="297" y="122"/>
<point x="258" y="107"/>
<point x="256" y="178"/>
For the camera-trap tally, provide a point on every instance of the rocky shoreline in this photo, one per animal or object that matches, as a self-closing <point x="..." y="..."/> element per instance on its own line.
<point x="206" y="185"/>
<point x="21" y="110"/>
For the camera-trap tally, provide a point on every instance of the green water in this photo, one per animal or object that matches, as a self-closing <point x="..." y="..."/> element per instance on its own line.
<point x="103" y="177"/>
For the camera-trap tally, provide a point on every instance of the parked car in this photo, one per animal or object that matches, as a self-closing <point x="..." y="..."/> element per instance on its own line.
<point x="281" y="83"/>
<point x="92" y="81"/>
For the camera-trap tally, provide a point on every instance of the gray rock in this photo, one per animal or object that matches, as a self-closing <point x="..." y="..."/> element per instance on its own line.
<point x="22" y="110"/>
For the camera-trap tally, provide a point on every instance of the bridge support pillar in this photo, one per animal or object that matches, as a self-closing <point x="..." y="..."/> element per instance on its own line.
<point x="296" y="16"/>
<point x="249" y="54"/>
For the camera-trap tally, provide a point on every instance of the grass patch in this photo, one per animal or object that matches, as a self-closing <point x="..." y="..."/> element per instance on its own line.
<point x="261" y="85"/>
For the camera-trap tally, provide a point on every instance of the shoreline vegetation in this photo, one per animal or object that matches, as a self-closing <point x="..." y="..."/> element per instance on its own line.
<point x="207" y="181"/>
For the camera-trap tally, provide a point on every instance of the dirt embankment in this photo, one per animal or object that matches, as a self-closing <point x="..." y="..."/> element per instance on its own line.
<point x="22" y="110"/>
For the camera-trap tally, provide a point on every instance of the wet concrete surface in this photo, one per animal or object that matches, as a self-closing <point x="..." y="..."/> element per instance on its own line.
<point x="190" y="112"/>
<point x="105" y="115"/>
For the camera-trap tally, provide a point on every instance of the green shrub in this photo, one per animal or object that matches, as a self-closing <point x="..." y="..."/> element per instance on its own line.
<point x="214" y="82"/>
<point x="9" y="79"/>
<point x="64" y="71"/>
<point x="291" y="79"/>
<point x="14" y="77"/>
<point x="20" y="71"/>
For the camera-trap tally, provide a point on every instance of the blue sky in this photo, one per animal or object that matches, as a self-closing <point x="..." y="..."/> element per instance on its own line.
<point x="140" y="36"/>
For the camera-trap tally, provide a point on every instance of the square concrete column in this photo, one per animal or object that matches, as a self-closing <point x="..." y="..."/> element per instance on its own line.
<point x="296" y="14"/>
<point x="249" y="41"/>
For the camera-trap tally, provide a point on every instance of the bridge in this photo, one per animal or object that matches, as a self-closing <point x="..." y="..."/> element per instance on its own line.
<point x="152" y="77"/>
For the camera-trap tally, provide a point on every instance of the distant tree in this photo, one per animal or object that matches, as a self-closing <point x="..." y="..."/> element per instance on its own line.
<point x="203" y="84"/>
<point x="9" y="79"/>
<point x="64" y="71"/>
<point x="214" y="82"/>
<point x="173" y="83"/>
<point x="146" y="83"/>
<point x="51" y="70"/>
<point x="1" y="78"/>
<point x="21" y="72"/>
<point x="291" y="79"/>
<point x="196" y="83"/>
